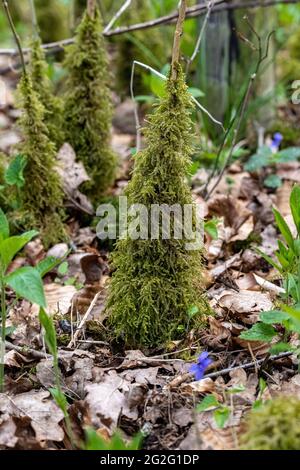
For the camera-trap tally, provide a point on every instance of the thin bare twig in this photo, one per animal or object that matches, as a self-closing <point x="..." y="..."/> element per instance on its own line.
<point x="210" y="6"/>
<point x="117" y="16"/>
<point x="15" y="34"/>
<point x="25" y="351"/>
<point x="83" y="321"/>
<point x="192" y="12"/>
<point x="248" y="365"/>
<point x="35" y="25"/>
<point x="177" y="38"/>
<point x="90" y="7"/>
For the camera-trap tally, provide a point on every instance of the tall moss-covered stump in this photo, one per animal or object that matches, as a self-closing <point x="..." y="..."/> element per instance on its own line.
<point x="42" y="193"/>
<point x="156" y="282"/>
<point x="42" y="85"/>
<point x="274" y="426"/>
<point x="88" y="106"/>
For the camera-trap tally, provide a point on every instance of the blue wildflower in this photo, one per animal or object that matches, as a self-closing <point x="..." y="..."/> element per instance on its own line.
<point x="200" y="367"/>
<point x="276" y="141"/>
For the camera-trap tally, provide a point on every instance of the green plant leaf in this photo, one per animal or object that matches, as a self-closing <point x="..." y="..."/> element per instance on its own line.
<point x="259" y="332"/>
<point x="196" y="92"/>
<point x="211" y="227"/>
<point x="293" y="312"/>
<point x="157" y="85"/>
<point x="11" y="246"/>
<point x="96" y="442"/>
<point x="47" y="264"/>
<point x="60" y="400"/>
<point x="273" y="181"/>
<point x="281" y="347"/>
<point x="63" y="268"/>
<point x="192" y="311"/>
<point x="295" y="206"/>
<point x="269" y="260"/>
<point x="273" y="317"/>
<point x="236" y="389"/>
<point x="27" y="283"/>
<point x="284" y="229"/>
<point x="50" y="333"/>
<point x="4" y="226"/>
<point x="209" y="401"/>
<point x="259" y="160"/>
<point x="289" y="154"/>
<point x="221" y="416"/>
<point x="14" y="173"/>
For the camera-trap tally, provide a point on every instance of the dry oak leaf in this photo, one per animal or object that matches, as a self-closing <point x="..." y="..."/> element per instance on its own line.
<point x="245" y="302"/>
<point x="59" y="298"/>
<point x="44" y="414"/>
<point x="105" y="402"/>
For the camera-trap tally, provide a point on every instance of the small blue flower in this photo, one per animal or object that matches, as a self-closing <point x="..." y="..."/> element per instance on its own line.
<point x="200" y="367"/>
<point x="276" y="141"/>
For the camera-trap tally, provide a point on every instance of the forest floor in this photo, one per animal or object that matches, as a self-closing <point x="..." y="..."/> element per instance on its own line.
<point x="110" y="388"/>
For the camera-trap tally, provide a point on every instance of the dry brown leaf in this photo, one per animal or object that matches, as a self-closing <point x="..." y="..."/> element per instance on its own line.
<point x="200" y="386"/>
<point x="105" y="402"/>
<point x="289" y="171"/>
<point x="73" y="174"/>
<point x="59" y="298"/>
<point x="245" y="302"/>
<point x="43" y="413"/>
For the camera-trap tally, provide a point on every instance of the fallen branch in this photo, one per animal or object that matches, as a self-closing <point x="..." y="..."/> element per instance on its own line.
<point x="192" y="12"/>
<point x="248" y="365"/>
<point x="25" y="351"/>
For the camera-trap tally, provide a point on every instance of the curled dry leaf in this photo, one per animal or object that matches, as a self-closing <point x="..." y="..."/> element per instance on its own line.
<point x="108" y="400"/>
<point x="59" y="298"/>
<point x="245" y="302"/>
<point x="200" y="386"/>
<point x="73" y="174"/>
<point x="43" y="414"/>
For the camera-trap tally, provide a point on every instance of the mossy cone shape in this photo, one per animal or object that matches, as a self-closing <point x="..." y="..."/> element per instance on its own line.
<point x="156" y="281"/>
<point x="274" y="426"/>
<point x="53" y="108"/>
<point x="88" y="106"/>
<point x="42" y="194"/>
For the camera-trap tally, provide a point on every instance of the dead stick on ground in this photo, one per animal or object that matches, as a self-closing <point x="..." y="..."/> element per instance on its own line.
<point x="83" y="321"/>
<point x="249" y="365"/>
<point x="25" y="351"/>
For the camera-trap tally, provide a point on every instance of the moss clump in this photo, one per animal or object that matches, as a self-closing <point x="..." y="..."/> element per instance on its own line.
<point x="156" y="281"/>
<point x="88" y="107"/>
<point x="42" y="86"/>
<point x="42" y="193"/>
<point x="274" y="426"/>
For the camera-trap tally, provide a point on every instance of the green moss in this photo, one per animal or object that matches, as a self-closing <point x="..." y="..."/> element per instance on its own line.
<point x="274" y="426"/>
<point x="42" y="86"/>
<point x="156" y="281"/>
<point x="88" y="107"/>
<point x="42" y="193"/>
